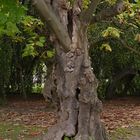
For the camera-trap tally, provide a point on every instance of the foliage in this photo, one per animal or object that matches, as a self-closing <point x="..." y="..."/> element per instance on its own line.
<point x="5" y="66"/>
<point x="34" y="40"/>
<point x="86" y="3"/>
<point x="22" y="47"/>
<point x="37" y="89"/>
<point x="111" y="32"/>
<point x="106" y="47"/>
<point x="115" y="46"/>
<point x="11" y="13"/>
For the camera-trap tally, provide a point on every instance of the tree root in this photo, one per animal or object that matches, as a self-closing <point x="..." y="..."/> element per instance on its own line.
<point x="60" y="130"/>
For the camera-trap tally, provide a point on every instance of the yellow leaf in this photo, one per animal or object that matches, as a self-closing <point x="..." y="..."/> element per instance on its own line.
<point x="137" y="37"/>
<point x="106" y="47"/>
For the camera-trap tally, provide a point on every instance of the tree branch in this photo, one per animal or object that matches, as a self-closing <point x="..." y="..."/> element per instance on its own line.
<point x="116" y="9"/>
<point x="124" y="44"/>
<point x="87" y="15"/>
<point x="48" y="14"/>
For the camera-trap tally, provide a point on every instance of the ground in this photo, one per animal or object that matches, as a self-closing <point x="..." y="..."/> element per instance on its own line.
<point x="122" y="118"/>
<point x="29" y="120"/>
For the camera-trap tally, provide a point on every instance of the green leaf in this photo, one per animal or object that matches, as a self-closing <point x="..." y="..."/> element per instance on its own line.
<point x="106" y="46"/>
<point x="86" y="4"/>
<point x="1" y="30"/>
<point x="29" y="51"/>
<point x="3" y="19"/>
<point x="40" y="44"/>
<point x="42" y="39"/>
<point x="111" y="2"/>
<point x="50" y="54"/>
<point x="137" y="37"/>
<point x="111" y="32"/>
<point x="11" y="29"/>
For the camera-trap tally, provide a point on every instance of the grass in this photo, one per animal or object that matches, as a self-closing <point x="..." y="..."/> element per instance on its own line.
<point x="19" y="132"/>
<point x="9" y="131"/>
<point x="126" y="133"/>
<point x="121" y="133"/>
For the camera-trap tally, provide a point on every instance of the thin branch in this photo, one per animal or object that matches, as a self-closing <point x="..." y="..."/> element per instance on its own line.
<point x="87" y="15"/>
<point x="53" y="21"/>
<point x="124" y="44"/>
<point x="105" y="14"/>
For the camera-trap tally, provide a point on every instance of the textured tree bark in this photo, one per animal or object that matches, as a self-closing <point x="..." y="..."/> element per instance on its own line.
<point x="79" y="112"/>
<point x="76" y="84"/>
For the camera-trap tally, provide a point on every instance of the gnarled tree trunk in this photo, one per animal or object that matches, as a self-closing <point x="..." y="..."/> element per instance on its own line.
<point x="76" y="84"/>
<point x="79" y="112"/>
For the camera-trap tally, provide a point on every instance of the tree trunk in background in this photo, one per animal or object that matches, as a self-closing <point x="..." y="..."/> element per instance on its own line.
<point x="3" y="99"/>
<point x="80" y="107"/>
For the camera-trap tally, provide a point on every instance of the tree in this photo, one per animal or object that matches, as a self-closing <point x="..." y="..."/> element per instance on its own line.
<point x="8" y="29"/>
<point x="80" y="111"/>
<point x="116" y="48"/>
<point x="22" y="41"/>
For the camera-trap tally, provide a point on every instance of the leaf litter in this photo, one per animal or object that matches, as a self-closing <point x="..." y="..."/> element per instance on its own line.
<point x="116" y="113"/>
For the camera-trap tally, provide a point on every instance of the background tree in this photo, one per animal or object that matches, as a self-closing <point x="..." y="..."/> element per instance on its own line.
<point x="21" y="48"/>
<point x="115" y="53"/>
